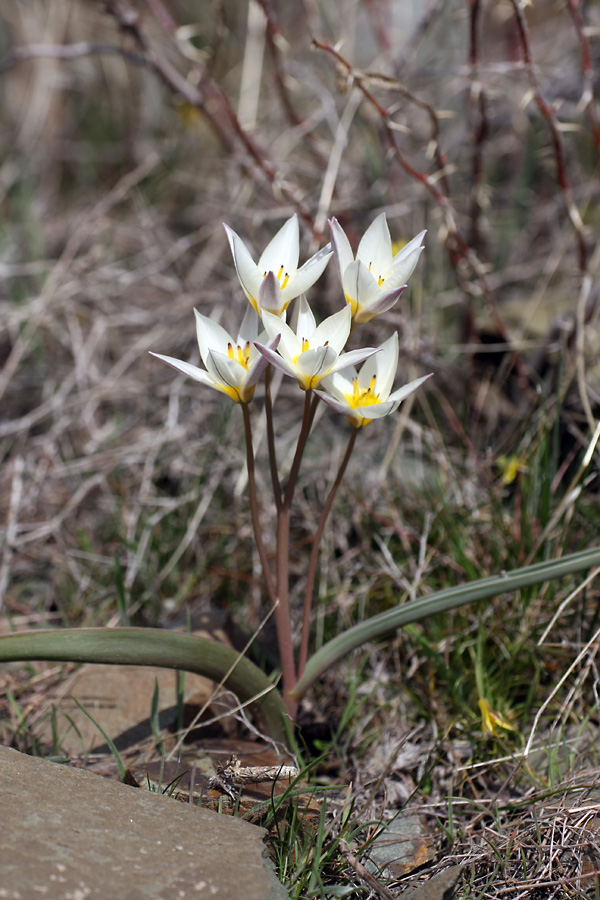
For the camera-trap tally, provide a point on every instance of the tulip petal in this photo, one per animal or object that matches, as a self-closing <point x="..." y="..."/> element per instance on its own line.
<point x="360" y="287"/>
<point x="380" y="305"/>
<point x="225" y="370"/>
<point x="210" y="335"/>
<point x="306" y="324"/>
<point x="334" y="330"/>
<point x="282" y="364"/>
<point x="417" y="242"/>
<point x="315" y="362"/>
<point x="290" y="345"/>
<point x="306" y="276"/>
<point x="341" y="246"/>
<point x="249" y="327"/>
<point x="186" y="368"/>
<point x="339" y="383"/>
<point x="376" y="410"/>
<point x="345" y="360"/>
<point x="282" y="251"/>
<point x="260" y="362"/>
<point x="402" y="269"/>
<point x="270" y="295"/>
<point x="403" y="392"/>
<point x="341" y="406"/>
<point x="375" y="248"/>
<point x="249" y="274"/>
<point x="383" y="366"/>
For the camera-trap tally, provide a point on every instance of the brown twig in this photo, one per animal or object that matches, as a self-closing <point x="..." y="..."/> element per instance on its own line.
<point x="210" y="99"/>
<point x="364" y="874"/>
<point x="588" y="98"/>
<point x="480" y="125"/>
<point x="555" y="137"/>
<point x="458" y="248"/>
<point x="274" y="37"/>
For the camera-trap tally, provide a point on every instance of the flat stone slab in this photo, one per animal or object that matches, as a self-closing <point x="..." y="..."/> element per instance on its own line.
<point x="70" y="834"/>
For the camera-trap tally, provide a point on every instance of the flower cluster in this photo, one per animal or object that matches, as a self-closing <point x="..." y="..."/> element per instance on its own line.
<point x="312" y="354"/>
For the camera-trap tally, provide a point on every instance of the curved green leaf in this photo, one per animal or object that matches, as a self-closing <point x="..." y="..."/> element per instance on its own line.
<point x="154" y="647"/>
<point x="442" y="601"/>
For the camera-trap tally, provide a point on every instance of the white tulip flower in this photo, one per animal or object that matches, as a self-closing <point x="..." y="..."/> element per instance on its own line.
<point x="374" y="280"/>
<point x="233" y="367"/>
<point x="276" y="280"/>
<point x="365" y="395"/>
<point x="311" y="352"/>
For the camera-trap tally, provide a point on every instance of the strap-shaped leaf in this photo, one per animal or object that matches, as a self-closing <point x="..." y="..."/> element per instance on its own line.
<point x="386" y="623"/>
<point x="154" y="647"/>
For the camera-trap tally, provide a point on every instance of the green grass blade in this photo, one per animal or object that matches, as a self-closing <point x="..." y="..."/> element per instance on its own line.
<point x="442" y="601"/>
<point x="153" y="647"/>
<point x="109" y="742"/>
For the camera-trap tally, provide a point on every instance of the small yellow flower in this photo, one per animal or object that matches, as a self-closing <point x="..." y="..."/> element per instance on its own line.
<point x="492" y="720"/>
<point x="510" y="466"/>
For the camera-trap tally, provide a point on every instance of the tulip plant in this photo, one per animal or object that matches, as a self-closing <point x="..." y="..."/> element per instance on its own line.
<point x="314" y="356"/>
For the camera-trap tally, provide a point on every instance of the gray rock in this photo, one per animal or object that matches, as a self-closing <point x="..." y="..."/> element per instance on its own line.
<point x="66" y="833"/>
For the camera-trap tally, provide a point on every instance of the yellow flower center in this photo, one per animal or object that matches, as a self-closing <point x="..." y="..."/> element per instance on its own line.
<point x="362" y="396"/>
<point x="239" y="354"/>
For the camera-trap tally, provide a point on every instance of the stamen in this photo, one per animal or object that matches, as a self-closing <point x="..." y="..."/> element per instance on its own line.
<point x="305" y="345"/>
<point x="363" y="396"/>
<point x="239" y="354"/>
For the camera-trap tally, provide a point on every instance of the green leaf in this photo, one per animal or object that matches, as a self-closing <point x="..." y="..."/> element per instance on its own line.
<point x="451" y="598"/>
<point x="154" y="647"/>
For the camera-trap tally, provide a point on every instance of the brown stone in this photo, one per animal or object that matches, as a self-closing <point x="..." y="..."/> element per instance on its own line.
<point x="70" y="834"/>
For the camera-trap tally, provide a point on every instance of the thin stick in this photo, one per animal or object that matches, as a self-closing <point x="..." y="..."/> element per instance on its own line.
<point x="579" y="658"/>
<point x="364" y="873"/>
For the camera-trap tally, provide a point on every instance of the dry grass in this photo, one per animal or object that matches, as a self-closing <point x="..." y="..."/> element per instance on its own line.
<point x="125" y="143"/>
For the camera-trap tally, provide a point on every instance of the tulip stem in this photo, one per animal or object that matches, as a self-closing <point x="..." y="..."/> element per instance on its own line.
<point x="262" y="553"/>
<point x="279" y="593"/>
<point x="310" y="407"/>
<point x="314" y="554"/>
<point x="271" y="439"/>
<point x="282" y="613"/>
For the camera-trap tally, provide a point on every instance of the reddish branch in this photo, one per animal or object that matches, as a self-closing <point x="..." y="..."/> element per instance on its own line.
<point x="273" y="35"/>
<point x="555" y="138"/>
<point x="208" y="97"/>
<point x="481" y="125"/>
<point x="459" y="250"/>
<point x="588" y="72"/>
